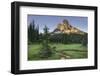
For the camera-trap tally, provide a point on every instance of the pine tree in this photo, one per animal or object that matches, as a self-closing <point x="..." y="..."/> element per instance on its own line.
<point x="33" y="31"/>
<point x="30" y="33"/>
<point x="85" y="40"/>
<point x="46" y="49"/>
<point x="37" y="33"/>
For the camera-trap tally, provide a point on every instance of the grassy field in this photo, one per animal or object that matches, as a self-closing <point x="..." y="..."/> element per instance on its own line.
<point x="63" y="51"/>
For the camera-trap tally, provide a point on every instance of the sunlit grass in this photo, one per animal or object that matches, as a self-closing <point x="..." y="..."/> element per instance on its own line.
<point x="74" y="51"/>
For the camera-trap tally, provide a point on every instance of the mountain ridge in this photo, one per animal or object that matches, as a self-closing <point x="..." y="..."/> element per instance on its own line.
<point x="66" y="28"/>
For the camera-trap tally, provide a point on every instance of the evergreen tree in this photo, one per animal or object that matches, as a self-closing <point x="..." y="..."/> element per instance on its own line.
<point x="30" y="30"/>
<point x="85" y="40"/>
<point x="33" y="33"/>
<point x="37" y="33"/>
<point x="46" y="49"/>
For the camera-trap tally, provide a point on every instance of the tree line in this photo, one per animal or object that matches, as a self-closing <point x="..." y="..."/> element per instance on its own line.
<point x="69" y="38"/>
<point x="34" y="36"/>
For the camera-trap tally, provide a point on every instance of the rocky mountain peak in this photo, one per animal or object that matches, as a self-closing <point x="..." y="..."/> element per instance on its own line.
<point x="66" y="28"/>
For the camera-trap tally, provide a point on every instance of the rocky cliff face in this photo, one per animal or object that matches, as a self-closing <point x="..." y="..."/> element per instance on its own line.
<point x="66" y="28"/>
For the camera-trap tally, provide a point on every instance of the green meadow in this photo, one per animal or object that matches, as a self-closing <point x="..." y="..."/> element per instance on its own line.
<point x="63" y="51"/>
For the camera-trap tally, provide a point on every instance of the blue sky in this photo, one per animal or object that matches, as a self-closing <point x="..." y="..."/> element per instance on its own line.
<point x="52" y="21"/>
